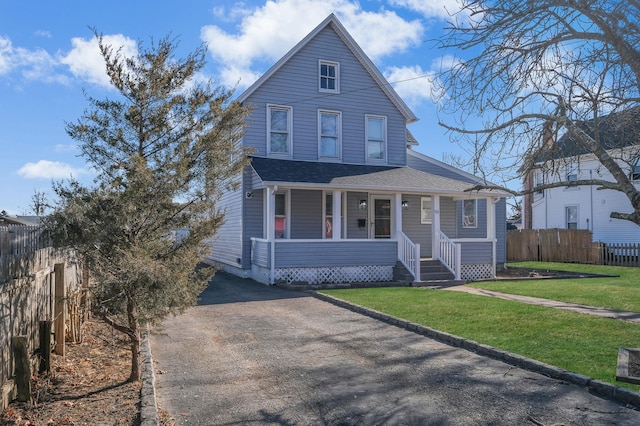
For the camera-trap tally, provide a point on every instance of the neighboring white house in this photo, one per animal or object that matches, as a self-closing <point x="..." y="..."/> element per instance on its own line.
<point x="585" y="206"/>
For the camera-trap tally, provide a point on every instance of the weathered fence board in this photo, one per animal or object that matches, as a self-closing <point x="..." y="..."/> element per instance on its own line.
<point x="568" y="245"/>
<point x="552" y="245"/>
<point x="27" y="297"/>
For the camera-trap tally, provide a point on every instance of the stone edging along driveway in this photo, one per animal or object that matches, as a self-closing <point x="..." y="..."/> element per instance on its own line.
<point x="624" y="395"/>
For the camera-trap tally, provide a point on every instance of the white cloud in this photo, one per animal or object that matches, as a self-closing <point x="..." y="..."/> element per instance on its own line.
<point x="32" y="64"/>
<point x="85" y="61"/>
<point x="413" y="84"/>
<point x="261" y="38"/>
<point x="433" y="8"/>
<point x="45" y="169"/>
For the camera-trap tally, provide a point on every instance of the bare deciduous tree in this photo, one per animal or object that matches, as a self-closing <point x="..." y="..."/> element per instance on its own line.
<point x="534" y="72"/>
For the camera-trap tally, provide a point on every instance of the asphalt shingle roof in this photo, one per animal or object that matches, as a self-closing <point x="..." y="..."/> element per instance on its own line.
<point x="365" y="177"/>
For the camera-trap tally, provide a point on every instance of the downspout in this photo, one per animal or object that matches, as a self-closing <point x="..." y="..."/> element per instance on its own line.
<point x="591" y="201"/>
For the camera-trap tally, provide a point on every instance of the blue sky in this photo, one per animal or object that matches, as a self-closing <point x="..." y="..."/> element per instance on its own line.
<point x="48" y="57"/>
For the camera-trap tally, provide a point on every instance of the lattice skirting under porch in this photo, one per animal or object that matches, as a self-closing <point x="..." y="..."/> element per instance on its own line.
<point x="477" y="271"/>
<point x="338" y="274"/>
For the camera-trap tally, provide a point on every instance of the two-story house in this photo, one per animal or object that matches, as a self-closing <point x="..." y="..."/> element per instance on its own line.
<point x="572" y="206"/>
<point x="334" y="192"/>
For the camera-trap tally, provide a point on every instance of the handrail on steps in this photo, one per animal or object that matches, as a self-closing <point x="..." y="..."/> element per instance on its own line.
<point x="449" y="253"/>
<point x="409" y="255"/>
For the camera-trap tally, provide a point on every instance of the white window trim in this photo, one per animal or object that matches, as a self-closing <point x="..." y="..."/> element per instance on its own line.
<point x="289" y="110"/>
<point x="326" y="194"/>
<point x="338" y="156"/>
<point x="566" y="216"/>
<point x="571" y="172"/>
<point x="287" y="212"/>
<point x="429" y="220"/>
<point x="367" y="117"/>
<point x="475" y="206"/>
<point x="337" y="67"/>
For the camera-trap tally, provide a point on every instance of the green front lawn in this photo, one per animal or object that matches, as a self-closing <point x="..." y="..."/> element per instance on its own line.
<point x="576" y="342"/>
<point x="621" y="292"/>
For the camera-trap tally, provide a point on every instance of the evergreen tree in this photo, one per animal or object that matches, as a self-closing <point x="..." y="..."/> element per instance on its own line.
<point x="164" y="150"/>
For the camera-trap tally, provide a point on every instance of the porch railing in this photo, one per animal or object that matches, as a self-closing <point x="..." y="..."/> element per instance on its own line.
<point x="409" y="255"/>
<point x="450" y="254"/>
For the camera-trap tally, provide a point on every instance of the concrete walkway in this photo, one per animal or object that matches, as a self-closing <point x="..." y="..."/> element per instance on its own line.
<point x="583" y="309"/>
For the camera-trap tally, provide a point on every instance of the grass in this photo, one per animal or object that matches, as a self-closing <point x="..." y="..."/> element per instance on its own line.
<point x="621" y="292"/>
<point x="576" y="342"/>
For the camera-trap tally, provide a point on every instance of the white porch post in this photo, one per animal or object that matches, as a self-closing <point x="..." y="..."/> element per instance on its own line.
<point x="435" y="226"/>
<point x="397" y="213"/>
<point x="270" y="230"/>
<point x="491" y="228"/>
<point x="337" y="215"/>
<point x="270" y="214"/>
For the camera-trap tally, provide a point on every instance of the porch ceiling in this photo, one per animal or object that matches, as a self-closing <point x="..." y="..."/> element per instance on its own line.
<point x="355" y="176"/>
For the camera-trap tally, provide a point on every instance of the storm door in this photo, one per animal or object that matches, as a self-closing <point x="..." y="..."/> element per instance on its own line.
<point x="380" y="217"/>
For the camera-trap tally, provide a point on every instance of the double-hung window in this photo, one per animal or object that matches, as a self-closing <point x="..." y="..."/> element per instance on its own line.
<point x="571" y="213"/>
<point x="279" y="123"/>
<point x="329" y="73"/>
<point x="329" y="129"/>
<point x="376" y="134"/>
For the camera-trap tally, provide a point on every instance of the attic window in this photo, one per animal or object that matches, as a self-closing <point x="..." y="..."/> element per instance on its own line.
<point x="329" y="77"/>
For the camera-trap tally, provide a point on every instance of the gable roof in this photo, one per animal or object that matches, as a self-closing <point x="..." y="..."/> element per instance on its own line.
<point x="357" y="176"/>
<point x="333" y="22"/>
<point x="615" y="130"/>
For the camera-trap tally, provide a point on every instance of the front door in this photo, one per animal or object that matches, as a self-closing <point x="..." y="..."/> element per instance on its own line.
<point x="380" y="217"/>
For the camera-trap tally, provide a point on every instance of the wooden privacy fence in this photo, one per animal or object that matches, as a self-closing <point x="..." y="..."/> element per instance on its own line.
<point x="552" y="245"/>
<point x="16" y="243"/>
<point x="39" y="290"/>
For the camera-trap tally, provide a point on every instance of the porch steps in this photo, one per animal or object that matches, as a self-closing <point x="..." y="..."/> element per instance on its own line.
<point x="431" y="272"/>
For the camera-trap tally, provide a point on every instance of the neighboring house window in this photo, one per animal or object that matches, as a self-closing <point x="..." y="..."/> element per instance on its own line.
<point x="376" y="137"/>
<point x="329" y="77"/>
<point x="426" y="210"/>
<point x="279" y="129"/>
<point x="538" y="181"/>
<point x="572" y="217"/>
<point x="469" y="214"/>
<point x="328" y="215"/>
<point x="280" y="226"/>
<point x="635" y="171"/>
<point x="572" y="173"/>
<point x="329" y="126"/>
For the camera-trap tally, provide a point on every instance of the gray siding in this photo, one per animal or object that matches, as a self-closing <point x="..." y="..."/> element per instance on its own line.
<point x="448" y="223"/>
<point x="226" y="245"/>
<point x="295" y="84"/>
<point x="306" y="214"/>
<point x="327" y="253"/>
<point x="501" y="231"/>
<point x="411" y="226"/>
<point x="253" y="221"/>
<point x="354" y="213"/>
<point x="480" y="252"/>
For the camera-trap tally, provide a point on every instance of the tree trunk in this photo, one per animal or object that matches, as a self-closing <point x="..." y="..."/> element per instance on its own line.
<point x="134" y="336"/>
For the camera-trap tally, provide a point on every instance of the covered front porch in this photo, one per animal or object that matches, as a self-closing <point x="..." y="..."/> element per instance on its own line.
<point x="358" y="226"/>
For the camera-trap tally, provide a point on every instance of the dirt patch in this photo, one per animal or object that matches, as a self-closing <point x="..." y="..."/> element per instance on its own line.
<point x="511" y="273"/>
<point x="86" y="387"/>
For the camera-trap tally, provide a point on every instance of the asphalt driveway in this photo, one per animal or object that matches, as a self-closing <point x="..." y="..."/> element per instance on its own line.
<point x="252" y="354"/>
